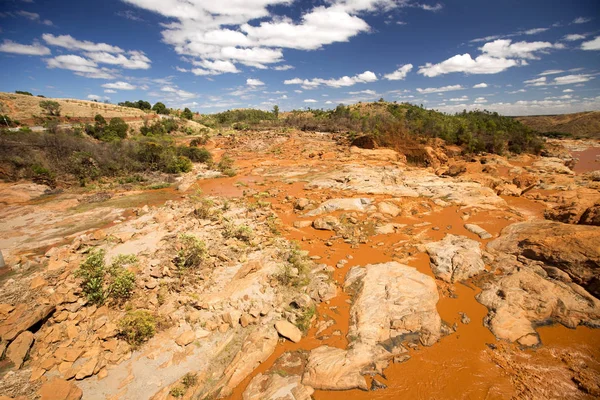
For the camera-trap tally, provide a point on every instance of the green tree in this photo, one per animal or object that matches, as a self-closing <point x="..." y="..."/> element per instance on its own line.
<point x="118" y="127"/>
<point x="143" y="105"/>
<point x="160" y="108"/>
<point x="187" y="113"/>
<point x="22" y="92"/>
<point x="51" y="107"/>
<point x="276" y="111"/>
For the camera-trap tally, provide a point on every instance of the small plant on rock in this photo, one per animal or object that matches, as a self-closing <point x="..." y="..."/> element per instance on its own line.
<point x="189" y="380"/>
<point x="177" y="392"/>
<point x="137" y="327"/>
<point x="192" y="252"/>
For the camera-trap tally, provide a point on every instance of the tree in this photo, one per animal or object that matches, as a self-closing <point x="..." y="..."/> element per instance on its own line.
<point x="118" y="127"/>
<point x="276" y="111"/>
<point x="51" y="107"/>
<point x="143" y="105"/>
<point x="160" y="108"/>
<point x="187" y="113"/>
<point x="22" y="92"/>
<point x="100" y="122"/>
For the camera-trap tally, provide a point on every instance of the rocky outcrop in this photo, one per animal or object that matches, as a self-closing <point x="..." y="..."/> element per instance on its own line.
<point x="19" y="348"/>
<point x="455" y="258"/>
<point x="525" y="298"/>
<point x="360" y="204"/>
<point x="581" y="206"/>
<point x="60" y="389"/>
<point x="392" y="301"/>
<point x="276" y="387"/>
<point x="573" y="249"/>
<point x="23" y="318"/>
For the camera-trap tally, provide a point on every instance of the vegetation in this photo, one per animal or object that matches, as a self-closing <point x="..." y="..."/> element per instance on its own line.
<point x="160" y="108"/>
<point x="187" y="114"/>
<point x="23" y="92"/>
<point x="226" y="166"/>
<point x="51" y="107"/>
<point x="100" y="283"/>
<point x="68" y="156"/>
<point x="160" y="127"/>
<point x="140" y="104"/>
<point x="115" y="130"/>
<point x="137" y="327"/>
<point x="191" y="253"/>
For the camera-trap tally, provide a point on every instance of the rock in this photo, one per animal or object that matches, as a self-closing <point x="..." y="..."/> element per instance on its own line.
<point x="359" y="204"/>
<point x="302" y="224"/>
<point x="523" y="299"/>
<point x="19" y="348"/>
<point x="186" y="338"/>
<point x="551" y="165"/>
<point x="455" y="170"/>
<point x="276" y="387"/>
<point x="401" y="358"/>
<point x="327" y="223"/>
<point x="377" y="154"/>
<point x="60" y="389"/>
<point x="591" y="216"/>
<point x="37" y="282"/>
<point x="376" y="385"/>
<point x="479" y="231"/>
<point x="572" y="248"/>
<point x="232" y="318"/>
<point x="578" y="206"/>
<point x="389" y="208"/>
<point x="330" y="368"/>
<point x="302" y="301"/>
<point x="301" y="204"/>
<point x="455" y="258"/>
<point x="464" y="318"/>
<point x="87" y="369"/>
<point x="288" y="330"/>
<point x="23" y="318"/>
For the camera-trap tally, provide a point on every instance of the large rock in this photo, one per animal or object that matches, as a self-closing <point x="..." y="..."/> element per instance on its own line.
<point x="575" y="249"/>
<point x="59" y="389"/>
<point x="332" y="205"/>
<point x="17" y="351"/>
<point x="524" y="299"/>
<point x="23" y="318"/>
<point x="580" y="206"/>
<point x="275" y="387"/>
<point x="391" y="301"/>
<point x="288" y="330"/>
<point x="455" y="258"/>
<point x="327" y="223"/>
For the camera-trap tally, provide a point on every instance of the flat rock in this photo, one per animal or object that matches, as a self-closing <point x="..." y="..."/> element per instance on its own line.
<point x="19" y="348"/>
<point x="276" y="387"/>
<point x="288" y="330"/>
<point x="23" y="318"/>
<point x="60" y="389"/>
<point x="455" y="258"/>
<point x="359" y="204"/>
<point x="389" y="209"/>
<point x="327" y="223"/>
<point x="186" y="338"/>
<point x="479" y="231"/>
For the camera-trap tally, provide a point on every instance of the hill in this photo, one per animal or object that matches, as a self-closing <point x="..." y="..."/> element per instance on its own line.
<point x="585" y="124"/>
<point x="26" y="109"/>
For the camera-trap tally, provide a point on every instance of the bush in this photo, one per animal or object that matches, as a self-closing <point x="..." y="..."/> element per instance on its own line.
<point x="195" y="154"/>
<point x="160" y="108"/>
<point x="226" y="166"/>
<point x="51" y="107"/>
<point x="242" y="232"/>
<point x="179" y="164"/>
<point x="137" y="327"/>
<point x="100" y="283"/>
<point x="187" y="114"/>
<point x="23" y="92"/>
<point x="191" y="253"/>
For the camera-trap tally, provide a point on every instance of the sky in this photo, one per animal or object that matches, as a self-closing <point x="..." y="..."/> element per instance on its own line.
<point x="516" y="57"/>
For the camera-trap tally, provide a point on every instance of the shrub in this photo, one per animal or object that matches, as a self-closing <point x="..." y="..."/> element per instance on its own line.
<point x="192" y="252"/>
<point x="100" y="283"/>
<point x="204" y="210"/>
<point x="51" y="107"/>
<point x="23" y="92"/>
<point x="241" y="232"/>
<point x="179" y="164"/>
<point x="226" y="166"/>
<point x="137" y="327"/>
<point x="118" y="127"/>
<point x="187" y="114"/>
<point x="160" y="108"/>
<point x="189" y="379"/>
<point x="195" y="154"/>
<point x="177" y="392"/>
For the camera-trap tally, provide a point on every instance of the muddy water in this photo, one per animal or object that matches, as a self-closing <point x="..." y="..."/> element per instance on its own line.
<point x="589" y="160"/>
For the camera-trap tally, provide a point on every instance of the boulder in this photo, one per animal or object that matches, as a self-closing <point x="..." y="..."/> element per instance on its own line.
<point x="572" y="248"/>
<point x="60" y="389"/>
<point x="455" y="258"/>
<point x="389" y="209"/>
<point x="327" y="223"/>
<point x="276" y="387"/>
<point x="330" y="368"/>
<point x="288" y="330"/>
<point x="185" y="338"/>
<point x="19" y="348"/>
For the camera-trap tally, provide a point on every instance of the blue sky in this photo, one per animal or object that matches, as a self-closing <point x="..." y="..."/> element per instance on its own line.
<point x="514" y="57"/>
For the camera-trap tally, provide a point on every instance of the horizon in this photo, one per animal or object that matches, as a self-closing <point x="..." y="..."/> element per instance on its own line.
<point x="535" y="59"/>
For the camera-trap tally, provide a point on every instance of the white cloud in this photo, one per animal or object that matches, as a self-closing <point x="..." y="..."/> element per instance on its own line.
<point x="517" y="91"/>
<point x="254" y="82"/>
<point x="93" y="97"/>
<point x="535" y="31"/>
<point x="119" y="86"/>
<point x="399" y="74"/>
<point x="536" y="82"/>
<point x="481" y="85"/>
<point x="137" y="59"/>
<point x="483" y="64"/>
<point x="427" y="7"/>
<point x="571" y="79"/>
<point x="34" y="17"/>
<point x="592" y="44"/>
<point x="367" y="92"/>
<point x="81" y="66"/>
<point x="35" y="49"/>
<point x="573" y="37"/>
<point x="480" y="100"/>
<point x="581" y="20"/>
<point x="504" y="48"/>
<point x="568" y="91"/>
<point x="110" y="91"/>
<point x="310" y="101"/>
<point x="283" y="67"/>
<point x="551" y="72"/>
<point x="463" y="98"/>
<point x="177" y="92"/>
<point x="440" y="89"/>
<point x="344" y="81"/>
<point x="69" y="42"/>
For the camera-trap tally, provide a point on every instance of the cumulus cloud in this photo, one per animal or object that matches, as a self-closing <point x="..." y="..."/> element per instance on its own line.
<point x="481" y="85"/>
<point x="110" y="91"/>
<point x="310" y="101"/>
<point x="561" y="80"/>
<point x="81" y="66"/>
<point x="568" y="91"/>
<point x="367" y="92"/>
<point x="440" y="89"/>
<point x="497" y="56"/>
<point x="592" y="44"/>
<point x="573" y="37"/>
<point x="254" y="82"/>
<point x="480" y="100"/>
<point x="462" y="98"/>
<point x="344" y="81"/>
<point x="177" y="92"/>
<point x="69" y="42"/>
<point x="136" y="59"/>
<point x="399" y="74"/>
<point x="119" y="86"/>
<point x="581" y="20"/>
<point x="283" y="67"/>
<point x="35" y="49"/>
